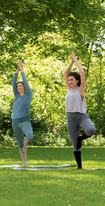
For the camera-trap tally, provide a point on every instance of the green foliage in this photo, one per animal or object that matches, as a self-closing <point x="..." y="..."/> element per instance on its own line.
<point x="43" y="34"/>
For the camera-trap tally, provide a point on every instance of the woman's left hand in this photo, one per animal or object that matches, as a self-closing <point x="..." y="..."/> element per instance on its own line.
<point x="74" y="57"/>
<point x="20" y="65"/>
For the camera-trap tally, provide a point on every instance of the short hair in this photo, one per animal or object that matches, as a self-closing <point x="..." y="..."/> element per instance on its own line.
<point x="77" y="76"/>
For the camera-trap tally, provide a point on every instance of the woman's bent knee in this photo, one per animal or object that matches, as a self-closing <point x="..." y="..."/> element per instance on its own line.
<point x="29" y="135"/>
<point x="90" y="131"/>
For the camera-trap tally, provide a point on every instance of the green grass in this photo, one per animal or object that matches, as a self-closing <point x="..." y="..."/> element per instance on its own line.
<point x="53" y="188"/>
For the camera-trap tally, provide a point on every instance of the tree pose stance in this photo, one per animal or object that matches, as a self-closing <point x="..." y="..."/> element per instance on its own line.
<point x="76" y="108"/>
<point x="21" y="112"/>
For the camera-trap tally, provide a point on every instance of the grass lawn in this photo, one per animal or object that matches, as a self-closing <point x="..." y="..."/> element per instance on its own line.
<point x="71" y="187"/>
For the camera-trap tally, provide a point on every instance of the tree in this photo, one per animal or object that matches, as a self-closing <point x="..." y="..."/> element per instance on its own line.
<point x="43" y="34"/>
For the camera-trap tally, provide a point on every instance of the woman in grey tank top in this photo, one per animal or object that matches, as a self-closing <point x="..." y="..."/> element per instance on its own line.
<point x="76" y="108"/>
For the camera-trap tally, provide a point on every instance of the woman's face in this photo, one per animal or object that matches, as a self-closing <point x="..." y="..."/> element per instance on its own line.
<point x="72" y="82"/>
<point x="20" y="88"/>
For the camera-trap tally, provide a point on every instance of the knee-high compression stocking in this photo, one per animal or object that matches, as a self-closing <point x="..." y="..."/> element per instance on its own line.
<point x="77" y="155"/>
<point x="79" y="141"/>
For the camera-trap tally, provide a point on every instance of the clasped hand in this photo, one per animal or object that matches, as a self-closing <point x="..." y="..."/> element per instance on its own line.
<point x="20" y="66"/>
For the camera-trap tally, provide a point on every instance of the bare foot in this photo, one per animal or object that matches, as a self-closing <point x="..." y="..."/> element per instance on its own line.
<point x="24" y="145"/>
<point x="25" y="165"/>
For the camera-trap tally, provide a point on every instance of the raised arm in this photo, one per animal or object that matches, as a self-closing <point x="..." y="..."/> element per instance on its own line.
<point x="14" y="81"/>
<point x="26" y="85"/>
<point x="82" y="87"/>
<point x="67" y="72"/>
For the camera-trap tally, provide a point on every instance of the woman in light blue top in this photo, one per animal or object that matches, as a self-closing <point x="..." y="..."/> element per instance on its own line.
<point x="76" y="108"/>
<point x="21" y="112"/>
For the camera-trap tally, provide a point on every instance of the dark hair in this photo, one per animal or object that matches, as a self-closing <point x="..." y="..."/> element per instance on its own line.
<point x="21" y="81"/>
<point x="77" y="76"/>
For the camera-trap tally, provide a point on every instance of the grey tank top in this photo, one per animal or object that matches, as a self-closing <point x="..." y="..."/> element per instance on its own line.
<point x="74" y="102"/>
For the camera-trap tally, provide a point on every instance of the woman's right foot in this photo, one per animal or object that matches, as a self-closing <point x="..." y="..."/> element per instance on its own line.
<point x="24" y="145"/>
<point x="79" y="168"/>
<point x="79" y="142"/>
<point x="25" y="165"/>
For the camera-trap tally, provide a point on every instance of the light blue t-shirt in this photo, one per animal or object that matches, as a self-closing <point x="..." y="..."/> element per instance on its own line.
<point x="21" y="106"/>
